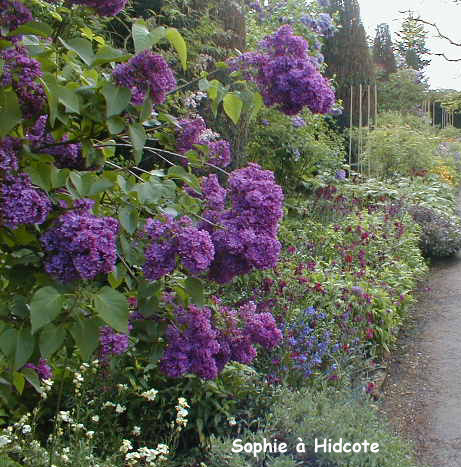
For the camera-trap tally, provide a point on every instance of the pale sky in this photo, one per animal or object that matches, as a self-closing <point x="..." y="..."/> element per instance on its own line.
<point x="447" y="15"/>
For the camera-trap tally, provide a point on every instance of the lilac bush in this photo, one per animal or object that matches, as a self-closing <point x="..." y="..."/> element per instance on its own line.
<point x="21" y="203"/>
<point x="170" y="239"/>
<point x="21" y="73"/>
<point x="67" y="155"/>
<point x="198" y="344"/>
<point x="146" y="74"/>
<point x="80" y="245"/>
<point x="194" y="131"/>
<point x="248" y="237"/>
<point x="12" y="15"/>
<point x="286" y="75"/>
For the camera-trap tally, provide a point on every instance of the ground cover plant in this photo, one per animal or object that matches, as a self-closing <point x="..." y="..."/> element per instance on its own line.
<point x="160" y="287"/>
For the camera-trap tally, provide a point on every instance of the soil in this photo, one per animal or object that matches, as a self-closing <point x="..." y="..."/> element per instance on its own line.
<point x="422" y="391"/>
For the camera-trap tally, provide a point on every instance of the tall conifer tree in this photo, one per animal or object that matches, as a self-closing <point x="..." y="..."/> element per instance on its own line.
<point x="348" y="55"/>
<point x="383" y="51"/>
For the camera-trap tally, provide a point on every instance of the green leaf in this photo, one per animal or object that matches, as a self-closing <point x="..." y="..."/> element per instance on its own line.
<point x="69" y="98"/>
<point x="51" y="89"/>
<point x="233" y="106"/>
<point x="40" y="174"/>
<point x="59" y="177"/>
<point x="19" y="381"/>
<point x="157" y="34"/>
<point x="82" y="47"/>
<point x="51" y="339"/>
<point x="179" y="44"/>
<point x="117" y="99"/>
<point x="115" y="125"/>
<point x="108" y="55"/>
<point x="35" y="28"/>
<point x="141" y="37"/>
<point x="204" y="85"/>
<point x="138" y="139"/>
<point x="8" y="341"/>
<point x="32" y="377"/>
<point x="45" y="306"/>
<point x="112" y="307"/>
<point x="148" y="192"/>
<point x="81" y="182"/>
<point x="146" y="110"/>
<point x="86" y="336"/>
<point x="25" y="344"/>
<point x="256" y="104"/>
<point x="116" y="277"/>
<point x="10" y="111"/>
<point x="128" y="217"/>
<point x="194" y="288"/>
<point x="99" y="185"/>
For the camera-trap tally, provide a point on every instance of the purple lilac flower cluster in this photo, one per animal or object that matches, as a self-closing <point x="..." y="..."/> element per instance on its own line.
<point x="80" y="245"/>
<point x="20" y="71"/>
<point x="12" y="15"/>
<point x="287" y="76"/>
<point x="247" y="238"/>
<point x="193" y="132"/>
<point x="21" y="203"/>
<point x="323" y="24"/>
<point x="102" y="7"/>
<point x="43" y="369"/>
<point x="66" y="155"/>
<point x="197" y="345"/>
<point x="111" y="343"/>
<point x="171" y="238"/>
<point x="146" y="74"/>
<point x="9" y="149"/>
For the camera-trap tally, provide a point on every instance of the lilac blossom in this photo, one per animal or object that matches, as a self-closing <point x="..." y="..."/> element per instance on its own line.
<point x="111" y="343"/>
<point x="67" y="155"/>
<point x="21" y="203"/>
<point x="12" y="15"/>
<point x="80" y="245"/>
<point x="170" y="239"/>
<point x="21" y="72"/>
<point x="146" y="74"/>
<point x="43" y="369"/>
<point x="286" y="75"/>
<point x="9" y="150"/>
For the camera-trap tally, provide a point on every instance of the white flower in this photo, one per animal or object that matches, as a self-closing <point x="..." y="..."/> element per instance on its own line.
<point x="122" y="387"/>
<point x="150" y="395"/>
<point x="26" y="429"/>
<point x="120" y="408"/>
<point x="4" y="440"/>
<point x="89" y="434"/>
<point x="182" y="402"/>
<point x="109" y="404"/>
<point x="136" y="431"/>
<point x="95" y="418"/>
<point x="64" y="416"/>
<point x="126" y="446"/>
<point x="163" y="449"/>
<point x="231" y="421"/>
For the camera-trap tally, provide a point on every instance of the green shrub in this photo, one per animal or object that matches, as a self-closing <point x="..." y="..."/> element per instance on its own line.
<point x="441" y="234"/>
<point x="329" y="415"/>
<point x="295" y="153"/>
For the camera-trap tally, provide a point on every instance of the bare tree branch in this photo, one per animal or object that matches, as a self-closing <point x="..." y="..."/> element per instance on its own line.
<point x="447" y="59"/>
<point x="442" y="36"/>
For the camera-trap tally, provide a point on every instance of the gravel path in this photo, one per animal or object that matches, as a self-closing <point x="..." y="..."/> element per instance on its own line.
<point x="423" y="389"/>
